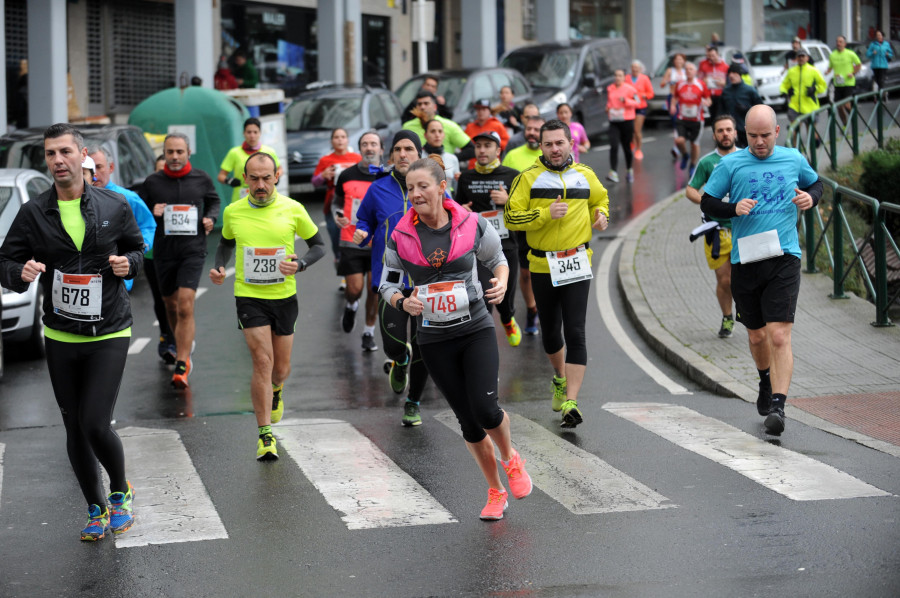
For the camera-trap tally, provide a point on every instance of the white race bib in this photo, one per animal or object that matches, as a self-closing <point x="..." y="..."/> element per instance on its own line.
<point x="838" y="79"/>
<point x="616" y="114"/>
<point x="446" y="304"/>
<point x="569" y="266"/>
<point x="689" y="110"/>
<point x="77" y="296"/>
<point x="758" y="247"/>
<point x="354" y="207"/>
<point x="261" y="265"/>
<point x="180" y="219"/>
<point x="495" y="219"/>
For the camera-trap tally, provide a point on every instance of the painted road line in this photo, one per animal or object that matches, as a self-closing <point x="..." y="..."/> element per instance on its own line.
<point x="2" y="449"/>
<point x="170" y="504"/>
<point x="578" y="480"/>
<point x="356" y="478"/>
<point x="609" y="318"/>
<point x="137" y="345"/>
<point x="791" y="474"/>
<point x="200" y="292"/>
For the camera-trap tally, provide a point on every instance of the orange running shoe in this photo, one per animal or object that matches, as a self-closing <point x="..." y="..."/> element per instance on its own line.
<point x="519" y="480"/>
<point x="495" y="506"/>
<point x="182" y="371"/>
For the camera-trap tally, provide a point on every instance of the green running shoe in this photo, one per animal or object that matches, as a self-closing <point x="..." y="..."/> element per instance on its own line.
<point x="399" y="373"/>
<point x="411" y="416"/>
<point x="571" y="416"/>
<point x="266" y="448"/>
<point x="559" y="393"/>
<point x="277" y="404"/>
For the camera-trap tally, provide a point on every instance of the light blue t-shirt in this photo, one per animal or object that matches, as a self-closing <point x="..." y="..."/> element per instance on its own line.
<point x="771" y="182"/>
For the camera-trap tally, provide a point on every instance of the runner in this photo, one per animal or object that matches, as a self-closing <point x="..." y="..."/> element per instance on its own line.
<point x="232" y="169"/>
<point x="691" y="96"/>
<point x="673" y="76"/>
<point x="385" y="203"/>
<point x="186" y="205"/>
<point x="434" y="144"/>
<point x="82" y="242"/>
<point x="557" y="202"/>
<point x="714" y="73"/>
<point x="622" y="100"/>
<point x="485" y="121"/>
<point x="580" y="141"/>
<point x="485" y="189"/>
<point x="356" y="262"/>
<point x="642" y="84"/>
<point x="716" y="232"/>
<point x="263" y="229"/>
<point x="436" y="244"/>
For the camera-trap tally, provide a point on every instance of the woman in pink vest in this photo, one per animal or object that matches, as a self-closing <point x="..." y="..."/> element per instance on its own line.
<point x="644" y="87"/>
<point x="621" y="101"/>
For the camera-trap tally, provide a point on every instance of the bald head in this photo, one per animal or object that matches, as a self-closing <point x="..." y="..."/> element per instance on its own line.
<point x="761" y="113"/>
<point x="762" y="130"/>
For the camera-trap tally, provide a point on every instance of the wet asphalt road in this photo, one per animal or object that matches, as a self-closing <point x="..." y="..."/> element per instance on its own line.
<point x="718" y="533"/>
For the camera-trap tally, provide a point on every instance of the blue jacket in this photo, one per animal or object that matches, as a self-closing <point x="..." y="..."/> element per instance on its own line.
<point x="880" y="54"/>
<point x="379" y="212"/>
<point x="142" y="216"/>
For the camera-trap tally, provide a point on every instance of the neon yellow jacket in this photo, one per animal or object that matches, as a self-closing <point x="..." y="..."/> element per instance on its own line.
<point x="797" y="82"/>
<point x="528" y="209"/>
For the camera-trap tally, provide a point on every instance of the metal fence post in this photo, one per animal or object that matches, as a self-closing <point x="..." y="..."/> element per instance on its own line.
<point x="837" y="223"/>
<point x="881" y="286"/>
<point x="854" y="128"/>
<point x="879" y="118"/>
<point x="810" y="222"/>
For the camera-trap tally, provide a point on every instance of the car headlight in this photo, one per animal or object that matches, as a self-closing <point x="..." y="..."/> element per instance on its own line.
<point x="553" y="101"/>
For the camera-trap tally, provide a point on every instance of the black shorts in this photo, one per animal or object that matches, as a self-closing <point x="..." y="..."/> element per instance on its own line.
<point x="280" y="314"/>
<point x="766" y="291"/>
<point x="843" y="91"/>
<point x="179" y="274"/>
<point x="689" y="129"/>
<point x="354" y="260"/>
<point x="640" y="111"/>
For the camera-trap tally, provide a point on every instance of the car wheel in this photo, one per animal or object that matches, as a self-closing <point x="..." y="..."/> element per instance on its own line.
<point x="34" y="346"/>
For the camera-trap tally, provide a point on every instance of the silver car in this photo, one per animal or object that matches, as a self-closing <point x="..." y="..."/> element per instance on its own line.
<point x="22" y="312"/>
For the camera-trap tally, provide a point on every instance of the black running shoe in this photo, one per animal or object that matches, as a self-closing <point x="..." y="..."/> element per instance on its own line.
<point x="764" y="401"/>
<point x="348" y="321"/>
<point x="775" y="421"/>
<point x="368" y="342"/>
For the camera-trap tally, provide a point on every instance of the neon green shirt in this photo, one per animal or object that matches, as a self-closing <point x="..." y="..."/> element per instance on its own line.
<point x="275" y="226"/>
<point x="521" y="157"/>
<point x="842" y="64"/>
<point x="73" y="222"/>
<point x="454" y="136"/>
<point x="234" y="163"/>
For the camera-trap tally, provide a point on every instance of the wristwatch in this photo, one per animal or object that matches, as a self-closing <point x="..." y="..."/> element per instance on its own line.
<point x="400" y="303"/>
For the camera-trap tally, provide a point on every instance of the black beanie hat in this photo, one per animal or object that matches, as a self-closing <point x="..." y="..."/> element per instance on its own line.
<point x="407" y="134"/>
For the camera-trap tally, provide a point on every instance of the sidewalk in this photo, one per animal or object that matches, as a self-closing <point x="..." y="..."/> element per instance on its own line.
<point x="846" y="372"/>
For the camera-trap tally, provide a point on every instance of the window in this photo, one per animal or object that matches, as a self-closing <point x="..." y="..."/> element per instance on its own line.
<point x="377" y="115"/>
<point x="481" y="88"/>
<point x="500" y="80"/>
<point x="36" y="186"/>
<point x="519" y="85"/>
<point x="9" y="207"/>
<point x="391" y="107"/>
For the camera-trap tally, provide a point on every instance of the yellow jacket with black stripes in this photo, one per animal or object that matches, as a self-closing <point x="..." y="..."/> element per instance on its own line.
<point x="528" y="209"/>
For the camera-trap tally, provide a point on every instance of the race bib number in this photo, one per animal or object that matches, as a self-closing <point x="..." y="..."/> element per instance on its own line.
<point x="569" y="266"/>
<point x="446" y="304"/>
<point x="495" y="219"/>
<point x="354" y="207"/>
<point x="689" y="110"/>
<point x="77" y="296"/>
<point x="180" y="219"/>
<point x="616" y="114"/>
<point x="261" y="265"/>
<point x="838" y="79"/>
<point x="758" y="247"/>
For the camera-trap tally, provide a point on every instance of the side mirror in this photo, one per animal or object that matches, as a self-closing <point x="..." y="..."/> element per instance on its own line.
<point x="590" y="79"/>
<point x="296" y="157"/>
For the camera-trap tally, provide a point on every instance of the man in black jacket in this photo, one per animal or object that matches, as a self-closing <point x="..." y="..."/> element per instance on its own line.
<point x="737" y="99"/>
<point x="186" y="205"/>
<point x="82" y="242"/>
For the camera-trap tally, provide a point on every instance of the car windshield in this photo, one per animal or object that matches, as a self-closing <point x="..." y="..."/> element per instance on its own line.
<point x="24" y="154"/>
<point x="9" y="207"/>
<point x="766" y="57"/>
<point x="451" y="87"/>
<point x="667" y="62"/>
<point x="324" y="114"/>
<point x="554" y="69"/>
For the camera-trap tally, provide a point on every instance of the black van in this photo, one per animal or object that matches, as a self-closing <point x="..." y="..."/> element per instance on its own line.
<point x="576" y="72"/>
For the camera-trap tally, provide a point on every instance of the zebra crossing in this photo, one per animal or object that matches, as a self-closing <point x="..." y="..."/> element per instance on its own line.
<point x="368" y="490"/>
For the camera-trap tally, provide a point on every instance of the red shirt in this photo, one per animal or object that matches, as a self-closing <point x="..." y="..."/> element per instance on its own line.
<point x="491" y="124"/>
<point x="710" y="73"/>
<point x="345" y="160"/>
<point x="690" y="99"/>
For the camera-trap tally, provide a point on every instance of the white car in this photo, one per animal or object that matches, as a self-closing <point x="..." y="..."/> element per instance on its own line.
<point x="22" y="312"/>
<point x="766" y="61"/>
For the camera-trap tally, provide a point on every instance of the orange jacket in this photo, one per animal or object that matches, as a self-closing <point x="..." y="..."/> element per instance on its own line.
<point x="621" y="102"/>
<point x="643" y="86"/>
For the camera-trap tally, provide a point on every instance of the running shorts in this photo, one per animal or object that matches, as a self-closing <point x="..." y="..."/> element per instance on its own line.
<point x="354" y="260"/>
<point x="280" y="314"/>
<point x="724" y="250"/>
<point x="689" y="129"/>
<point x="177" y="274"/>
<point x="766" y="291"/>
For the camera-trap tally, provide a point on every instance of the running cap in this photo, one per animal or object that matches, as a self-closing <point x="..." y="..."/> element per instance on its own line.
<point x="796" y="39"/>
<point x="482" y="103"/>
<point x="489" y="135"/>
<point x="802" y="52"/>
<point x="88" y="163"/>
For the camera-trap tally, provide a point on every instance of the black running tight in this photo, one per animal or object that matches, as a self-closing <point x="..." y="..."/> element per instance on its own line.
<point x="562" y="311"/>
<point x="86" y="379"/>
<point x="465" y="369"/>
<point x="620" y="132"/>
<point x="395" y="333"/>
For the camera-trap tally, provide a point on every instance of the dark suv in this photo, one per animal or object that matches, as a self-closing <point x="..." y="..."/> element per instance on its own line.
<point x="132" y="154"/>
<point x="576" y="72"/>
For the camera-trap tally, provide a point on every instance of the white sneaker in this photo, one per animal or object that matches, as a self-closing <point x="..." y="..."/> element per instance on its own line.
<point x="613" y="176"/>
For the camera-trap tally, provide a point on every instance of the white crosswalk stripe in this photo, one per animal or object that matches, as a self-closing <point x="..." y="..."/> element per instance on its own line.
<point x="791" y="474"/>
<point x="580" y="481"/>
<point x="355" y="477"/>
<point x="137" y="345"/>
<point x="171" y="502"/>
<point x="2" y="449"/>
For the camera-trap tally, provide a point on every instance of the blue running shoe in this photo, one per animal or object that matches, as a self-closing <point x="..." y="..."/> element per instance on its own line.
<point x="121" y="514"/>
<point x="684" y="161"/>
<point x="97" y="524"/>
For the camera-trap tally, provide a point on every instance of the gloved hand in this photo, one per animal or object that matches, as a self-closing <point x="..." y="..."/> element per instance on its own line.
<point x="811" y="91"/>
<point x="232" y="182"/>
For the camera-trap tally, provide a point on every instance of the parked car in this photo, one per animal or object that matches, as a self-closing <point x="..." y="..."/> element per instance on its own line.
<point x="656" y="107"/>
<point x="576" y="72"/>
<point x="22" y="312"/>
<point x="865" y="79"/>
<point x="462" y="87"/>
<point x="132" y="154"/>
<point x="766" y="62"/>
<point x="312" y="116"/>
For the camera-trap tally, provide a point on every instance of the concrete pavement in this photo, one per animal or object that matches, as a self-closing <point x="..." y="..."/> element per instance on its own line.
<point x="846" y="372"/>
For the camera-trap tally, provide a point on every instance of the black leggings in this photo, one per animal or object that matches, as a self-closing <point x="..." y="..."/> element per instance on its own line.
<point x="465" y="369"/>
<point x="622" y="130"/>
<point x="86" y="379"/>
<point x="395" y="332"/>
<point x="507" y="307"/>
<point x="562" y="311"/>
<point x="159" y="306"/>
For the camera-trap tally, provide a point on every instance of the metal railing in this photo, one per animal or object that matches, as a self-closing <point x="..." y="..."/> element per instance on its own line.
<point x="840" y="136"/>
